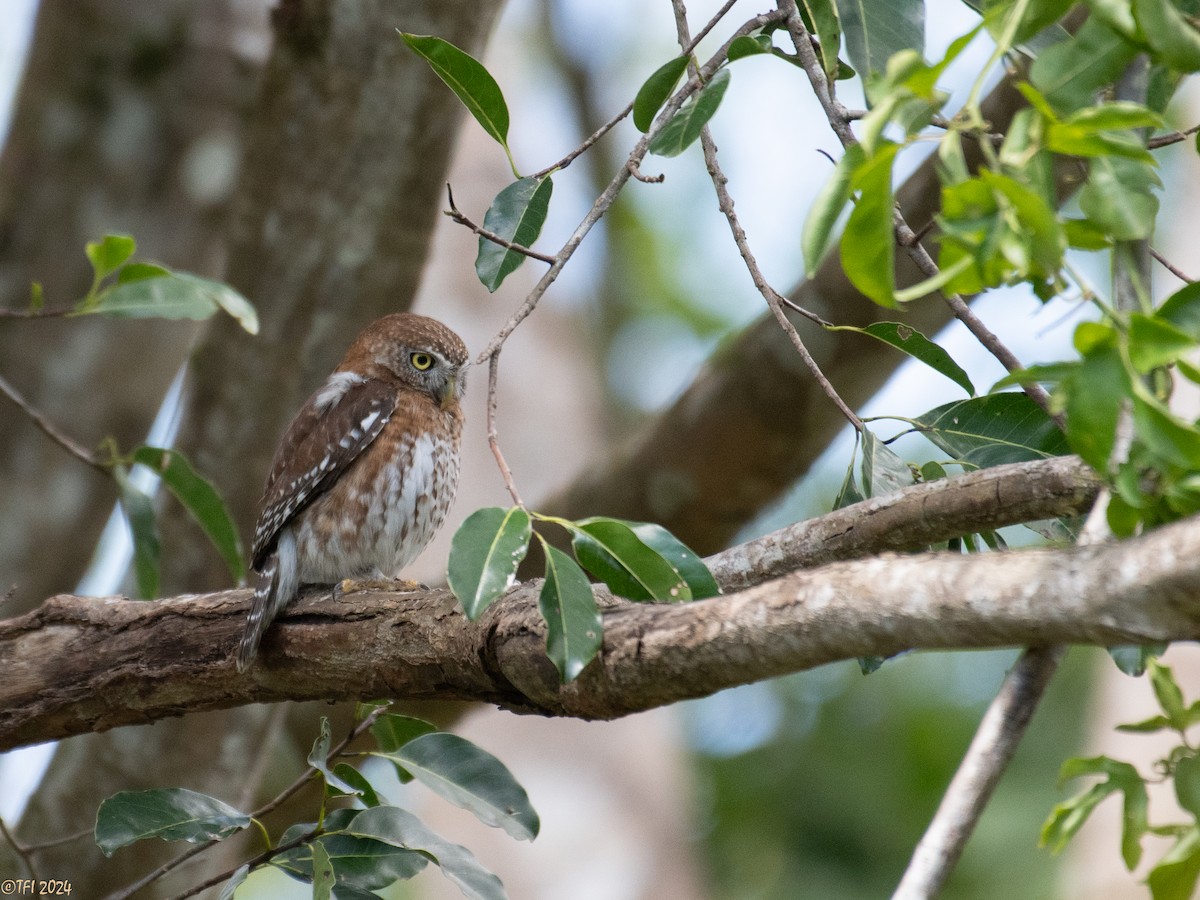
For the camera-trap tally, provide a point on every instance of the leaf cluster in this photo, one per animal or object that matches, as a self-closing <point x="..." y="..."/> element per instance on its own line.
<point x="636" y="560"/>
<point x="1176" y="874"/>
<point x="349" y="851"/>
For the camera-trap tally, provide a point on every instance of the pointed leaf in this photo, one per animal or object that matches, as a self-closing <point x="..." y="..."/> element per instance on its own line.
<point x="362" y="787"/>
<point x="1182" y="309"/>
<point x="1187" y="784"/>
<point x="471" y="778"/>
<point x="868" y="249"/>
<point x="1176" y="875"/>
<point x="609" y="549"/>
<point x="685" y="126"/>
<point x="140" y="272"/>
<point x="484" y="555"/>
<point x="574" y="630"/>
<point x="322" y="877"/>
<point x="517" y="215"/>
<point x="908" y="340"/>
<point x="818" y="236"/>
<point x="656" y="89"/>
<point x="1174" y="39"/>
<point x="827" y="29"/>
<point x="139" y="516"/>
<point x="318" y="758"/>
<point x="392" y="731"/>
<point x="399" y="828"/>
<point x="990" y="431"/>
<point x="875" y="29"/>
<point x="173" y="814"/>
<point x="1118" y="197"/>
<point x="681" y="557"/>
<point x="882" y="470"/>
<point x="1170" y="697"/>
<point x="1069" y="74"/>
<point x="175" y="296"/>
<point x="468" y="78"/>
<point x="200" y="499"/>
<point x="361" y="864"/>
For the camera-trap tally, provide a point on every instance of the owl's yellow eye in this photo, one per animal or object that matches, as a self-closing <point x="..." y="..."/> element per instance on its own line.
<point x="420" y="361"/>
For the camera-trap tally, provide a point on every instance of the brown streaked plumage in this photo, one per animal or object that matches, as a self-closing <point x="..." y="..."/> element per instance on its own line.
<point x="366" y="472"/>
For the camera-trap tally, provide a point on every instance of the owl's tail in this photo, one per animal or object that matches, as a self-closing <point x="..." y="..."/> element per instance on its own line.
<point x="275" y="582"/>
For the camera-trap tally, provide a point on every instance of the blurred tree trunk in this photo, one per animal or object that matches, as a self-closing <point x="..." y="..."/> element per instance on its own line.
<point x="345" y="165"/>
<point x="128" y="120"/>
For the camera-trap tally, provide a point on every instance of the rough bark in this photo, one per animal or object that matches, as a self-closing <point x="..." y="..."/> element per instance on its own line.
<point x="79" y="665"/>
<point x="344" y="163"/>
<point x="82" y="664"/>
<point x="129" y="121"/>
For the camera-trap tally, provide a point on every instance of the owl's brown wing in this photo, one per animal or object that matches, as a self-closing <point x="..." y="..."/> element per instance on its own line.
<point x="332" y="429"/>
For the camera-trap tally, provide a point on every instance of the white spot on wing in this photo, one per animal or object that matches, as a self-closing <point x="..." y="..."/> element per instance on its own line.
<point x="335" y="389"/>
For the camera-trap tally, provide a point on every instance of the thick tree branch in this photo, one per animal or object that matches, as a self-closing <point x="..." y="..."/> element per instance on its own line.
<point x="84" y="664"/>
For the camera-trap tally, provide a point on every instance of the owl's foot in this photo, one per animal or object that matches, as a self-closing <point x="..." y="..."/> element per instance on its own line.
<point x="392" y="585"/>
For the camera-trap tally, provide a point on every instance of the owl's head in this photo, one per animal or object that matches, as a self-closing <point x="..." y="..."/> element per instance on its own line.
<point x="419" y="351"/>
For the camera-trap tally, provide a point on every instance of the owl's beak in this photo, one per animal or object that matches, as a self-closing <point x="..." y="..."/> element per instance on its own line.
<point x="449" y="396"/>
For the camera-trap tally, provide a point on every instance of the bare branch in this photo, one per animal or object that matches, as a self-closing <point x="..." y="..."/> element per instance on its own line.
<point x="1166" y="264"/>
<point x="51" y="430"/>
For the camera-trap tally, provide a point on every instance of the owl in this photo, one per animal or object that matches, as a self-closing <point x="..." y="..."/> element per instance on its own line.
<point x="367" y="470"/>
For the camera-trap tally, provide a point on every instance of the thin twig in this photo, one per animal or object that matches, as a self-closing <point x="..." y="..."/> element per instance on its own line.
<point x="493" y="437"/>
<point x="1166" y="264"/>
<point x="838" y="117"/>
<point x="6" y="313"/>
<point x="20" y="849"/>
<point x="1165" y="140"/>
<point x="58" y="842"/>
<point x="51" y="430"/>
<point x="775" y="301"/>
<point x="454" y="213"/>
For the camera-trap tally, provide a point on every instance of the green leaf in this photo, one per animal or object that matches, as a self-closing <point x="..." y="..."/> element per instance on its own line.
<point x="140" y="272"/>
<point x="1069" y="816"/>
<point x="173" y="814"/>
<point x="1182" y="309"/>
<point x="139" y="515"/>
<point x="235" y="881"/>
<point x="739" y="48"/>
<point x="1146" y="726"/>
<point x="818" y="235"/>
<point x="883" y="472"/>
<point x="993" y="430"/>
<point x="610" y="550"/>
<point x="1117" y="197"/>
<point x="658" y="87"/>
<point x="1154" y="342"/>
<point x="1170" y="697"/>
<point x="109" y="254"/>
<point x="363" y="788"/>
<point x="1095" y="396"/>
<point x="908" y="340"/>
<point x="1132" y="659"/>
<point x="1069" y="74"/>
<point x="690" y="567"/>
<point x="361" y="864"/>
<point x="175" y="296"/>
<point x="1187" y="784"/>
<point x="823" y="16"/>
<point x="867" y="248"/>
<point x="318" y="758"/>
<point x="200" y="499"/>
<point x="399" y="828"/>
<point x="1169" y="33"/>
<point x="468" y="78"/>
<point x="484" y="555"/>
<point x="392" y="731"/>
<point x="1175" y="876"/>
<point x="685" y="126"/>
<point x="473" y="779"/>
<point x="323" y="879"/>
<point x="517" y="215"/>
<point x="875" y="29"/>
<point x="574" y="630"/>
<point x="1176" y="441"/>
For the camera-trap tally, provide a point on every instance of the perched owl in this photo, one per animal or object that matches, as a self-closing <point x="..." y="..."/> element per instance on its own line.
<point x="366" y="472"/>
